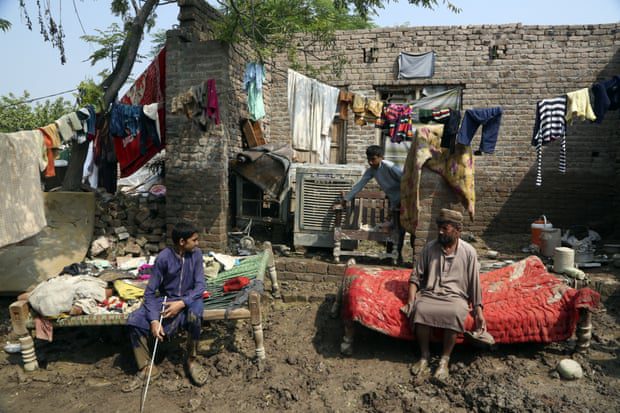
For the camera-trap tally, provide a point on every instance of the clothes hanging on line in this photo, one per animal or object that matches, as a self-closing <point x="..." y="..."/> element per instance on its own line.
<point x="457" y="169"/>
<point x="68" y="126"/>
<point x="253" y="79"/>
<point x="489" y="118"/>
<point x="606" y="97"/>
<point x="578" y="105"/>
<point x="22" y="212"/>
<point x="549" y="126"/>
<point x="366" y="110"/>
<point x="199" y="103"/>
<point x="149" y="88"/>
<point x="312" y="107"/>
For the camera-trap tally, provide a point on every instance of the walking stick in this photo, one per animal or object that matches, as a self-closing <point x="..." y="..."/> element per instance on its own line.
<point x="148" y="378"/>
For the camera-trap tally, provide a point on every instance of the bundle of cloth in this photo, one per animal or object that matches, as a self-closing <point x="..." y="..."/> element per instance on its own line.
<point x="522" y="302"/>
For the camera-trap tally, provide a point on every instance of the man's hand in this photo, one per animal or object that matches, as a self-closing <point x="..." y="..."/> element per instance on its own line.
<point x="172" y="308"/>
<point x="481" y="324"/>
<point x="157" y="330"/>
<point x="407" y="309"/>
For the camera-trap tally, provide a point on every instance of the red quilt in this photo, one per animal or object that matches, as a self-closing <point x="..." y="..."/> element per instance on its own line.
<point x="522" y="302"/>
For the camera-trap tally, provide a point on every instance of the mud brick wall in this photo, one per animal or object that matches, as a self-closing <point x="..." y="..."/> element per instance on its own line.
<point x="197" y="164"/>
<point x="533" y="63"/>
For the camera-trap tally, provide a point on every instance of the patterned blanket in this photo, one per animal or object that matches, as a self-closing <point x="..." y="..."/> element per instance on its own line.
<point x="522" y="302"/>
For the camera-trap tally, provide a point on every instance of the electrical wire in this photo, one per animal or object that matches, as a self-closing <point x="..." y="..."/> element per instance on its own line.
<point x="39" y="98"/>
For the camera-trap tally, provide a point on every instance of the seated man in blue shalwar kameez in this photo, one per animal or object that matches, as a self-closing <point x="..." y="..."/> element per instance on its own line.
<point x="177" y="275"/>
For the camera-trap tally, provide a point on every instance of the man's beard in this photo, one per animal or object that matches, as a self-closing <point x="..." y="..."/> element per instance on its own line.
<point x="445" y="239"/>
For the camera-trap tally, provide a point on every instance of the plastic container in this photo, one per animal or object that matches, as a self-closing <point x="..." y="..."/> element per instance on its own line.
<point x="550" y="239"/>
<point x="537" y="228"/>
<point x="563" y="258"/>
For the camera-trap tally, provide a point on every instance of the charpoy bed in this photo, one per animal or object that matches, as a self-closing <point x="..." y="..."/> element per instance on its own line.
<point x="217" y="307"/>
<point x="522" y="303"/>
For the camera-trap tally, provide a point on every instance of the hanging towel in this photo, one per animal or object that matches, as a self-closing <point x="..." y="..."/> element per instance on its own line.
<point x="253" y="79"/>
<point x="22" y="213"/>
<point x="312" y="107"/>
<point x="457" y="169"/>
<point x="550" y="125"/>
<point x="411" y="66"/>
<point x="578" y="105"/>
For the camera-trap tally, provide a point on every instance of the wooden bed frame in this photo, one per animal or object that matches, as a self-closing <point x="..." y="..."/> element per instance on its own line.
<point x="23" y="322"/>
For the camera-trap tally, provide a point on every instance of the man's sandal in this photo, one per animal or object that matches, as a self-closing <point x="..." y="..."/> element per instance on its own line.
<point x="197" y="373"/>
<point x="139" y="379"/>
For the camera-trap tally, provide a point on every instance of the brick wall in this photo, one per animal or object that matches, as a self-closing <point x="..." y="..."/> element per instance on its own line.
<point x="534" y="62"/>
<point x="538" y="62"/>
<point x="197" y="165"/>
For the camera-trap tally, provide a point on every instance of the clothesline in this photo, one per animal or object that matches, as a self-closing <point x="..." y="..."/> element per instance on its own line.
<point x="39" y="98"/>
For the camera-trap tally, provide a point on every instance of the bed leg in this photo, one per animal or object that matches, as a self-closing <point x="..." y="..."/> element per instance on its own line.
<point x="273" y="274"/>
<point x="19" y="312"/>
<point x="346" y="347"/>
<point x="257" y="326"/>
<point x="584" y="331"/>
<point x="335" y="310"/>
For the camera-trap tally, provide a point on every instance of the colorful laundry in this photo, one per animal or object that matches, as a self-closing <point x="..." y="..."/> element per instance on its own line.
<point x="149" y="87"/>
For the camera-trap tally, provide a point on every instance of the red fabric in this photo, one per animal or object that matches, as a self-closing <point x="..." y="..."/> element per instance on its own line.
<point x="149" y="87"/>
<point x="235" y="284"/>
<point x="522" y="302"/>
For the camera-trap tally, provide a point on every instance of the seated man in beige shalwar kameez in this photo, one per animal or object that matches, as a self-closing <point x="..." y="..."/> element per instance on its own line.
<point x="444" y="283"/>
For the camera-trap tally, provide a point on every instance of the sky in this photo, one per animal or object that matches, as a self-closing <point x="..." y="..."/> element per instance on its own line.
<point x="34" y="66"/>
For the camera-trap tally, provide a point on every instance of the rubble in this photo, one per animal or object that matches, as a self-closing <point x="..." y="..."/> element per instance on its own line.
<point x="128" y="225"/>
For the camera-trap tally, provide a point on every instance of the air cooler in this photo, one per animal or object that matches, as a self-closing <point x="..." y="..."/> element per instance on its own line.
<point x="317" y="187"/>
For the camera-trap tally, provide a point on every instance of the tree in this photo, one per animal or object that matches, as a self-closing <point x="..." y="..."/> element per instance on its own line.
<point x="16" y="113"/>
<point x="136" y="16"/>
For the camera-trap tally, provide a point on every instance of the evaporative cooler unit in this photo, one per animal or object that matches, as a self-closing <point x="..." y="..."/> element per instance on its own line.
<point x="317" y="187"/>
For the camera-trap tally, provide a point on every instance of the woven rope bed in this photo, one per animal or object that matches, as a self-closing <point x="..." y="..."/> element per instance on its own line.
<point x="216" y="306"/>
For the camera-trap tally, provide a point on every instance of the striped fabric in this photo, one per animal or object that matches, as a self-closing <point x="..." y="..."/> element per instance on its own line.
<point x="550" y="125"/>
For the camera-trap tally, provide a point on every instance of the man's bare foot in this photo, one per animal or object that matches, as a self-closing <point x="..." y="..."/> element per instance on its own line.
<point x="443" y="372"/>
<point x="421" y="369"/>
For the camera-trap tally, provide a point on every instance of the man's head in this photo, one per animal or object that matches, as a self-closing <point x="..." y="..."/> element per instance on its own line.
<point x="374" y="154"/>
<point x="185" y="236"/>
<point x="449" y="225"/>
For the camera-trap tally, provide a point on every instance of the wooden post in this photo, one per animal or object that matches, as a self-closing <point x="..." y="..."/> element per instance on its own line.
<point x="257" y="326"/>
<point x="273" y="274"/>
<point x="337" y="234"/>
<point x="584" y="331"/>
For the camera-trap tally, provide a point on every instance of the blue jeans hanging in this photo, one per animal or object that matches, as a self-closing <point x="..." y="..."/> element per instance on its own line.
<point x="489" y="118"/>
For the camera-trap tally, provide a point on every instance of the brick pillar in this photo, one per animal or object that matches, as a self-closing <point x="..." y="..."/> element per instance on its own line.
<point x="197" y="160"/>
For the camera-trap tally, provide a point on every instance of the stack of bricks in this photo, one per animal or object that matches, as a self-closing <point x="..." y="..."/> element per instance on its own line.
<point x="129" y="226"/>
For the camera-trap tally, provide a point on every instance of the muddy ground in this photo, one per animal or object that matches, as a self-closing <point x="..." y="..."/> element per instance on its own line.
<point x="83" y="369"/>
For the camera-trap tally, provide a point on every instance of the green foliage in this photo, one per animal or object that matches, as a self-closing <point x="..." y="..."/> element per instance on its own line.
<point x="271" y="26"/>
<point x="89" y="93"/>
<point x="16" y="114"/>
<point x="110" y="42"/>
<point x="5" y="25"/>
<point x="366" y="8"/>
<point x="158" y="41"/>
